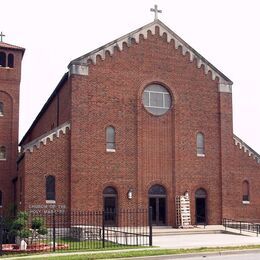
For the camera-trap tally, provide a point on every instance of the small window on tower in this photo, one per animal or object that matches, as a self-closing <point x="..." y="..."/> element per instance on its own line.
<point x="2" y="153"/>
<point x="1" y="199"/>
<point x="2" y="59"/>
<point x="10" y="60"/>
<point x="21" y="190"/>
<point x="1" y="108"/>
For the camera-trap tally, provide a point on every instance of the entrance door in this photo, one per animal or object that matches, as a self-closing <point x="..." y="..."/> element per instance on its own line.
<point x="157" y="201"/>
<point x="200" y="202"/>
<point x="110" y="206"/>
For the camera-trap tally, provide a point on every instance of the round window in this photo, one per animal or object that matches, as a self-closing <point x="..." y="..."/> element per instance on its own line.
<point x="156" y="99"/>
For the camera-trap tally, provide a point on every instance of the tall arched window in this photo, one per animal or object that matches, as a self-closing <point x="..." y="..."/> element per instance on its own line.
<point x="2" y="153"/>
<point x="50" y="187"/>
<point x="200" y="144"/>
<point x="2" y="59"/>
<point x="110" y="138"/>
<point x="1" y="198"/>
<point x="1" y="108"/>
<point x="10" y="60"/>
<point x="245" y="191"/>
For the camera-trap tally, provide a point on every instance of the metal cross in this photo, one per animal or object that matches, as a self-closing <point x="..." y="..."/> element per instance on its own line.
<point x="1" y="36"/>
<point x="156" y="11"/>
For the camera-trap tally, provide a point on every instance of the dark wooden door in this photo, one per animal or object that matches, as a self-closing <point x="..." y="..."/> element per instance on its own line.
<point x="201" y="210"/>
<point x="158" y="205"/>
<point x="110" y="211"/>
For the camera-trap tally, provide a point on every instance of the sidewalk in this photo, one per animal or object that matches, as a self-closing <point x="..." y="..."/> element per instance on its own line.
<point x="208" y="236"/>
<point x="204" y="240"/>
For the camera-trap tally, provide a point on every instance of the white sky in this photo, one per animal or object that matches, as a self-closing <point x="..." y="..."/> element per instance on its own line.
<point x="54" y="32"/>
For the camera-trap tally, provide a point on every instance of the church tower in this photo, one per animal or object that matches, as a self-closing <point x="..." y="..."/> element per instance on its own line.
<point x="10" y="77"/>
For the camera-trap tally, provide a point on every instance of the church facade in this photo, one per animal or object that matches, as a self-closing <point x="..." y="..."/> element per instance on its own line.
<point x="136" y="123"/>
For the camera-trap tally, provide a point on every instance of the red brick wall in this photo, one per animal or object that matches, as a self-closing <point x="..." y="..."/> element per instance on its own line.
<point x="9" y="95"/>
<point x="50" y="159"/>
<point x="244" y="168"/>
<point x="150" y="150"/>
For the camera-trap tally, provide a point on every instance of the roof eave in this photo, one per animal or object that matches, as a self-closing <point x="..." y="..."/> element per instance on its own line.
<point x="46" y="105"/>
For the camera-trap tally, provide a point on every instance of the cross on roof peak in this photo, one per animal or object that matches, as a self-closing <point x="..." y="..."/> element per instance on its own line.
<point x="1" y="36"/>
<point x="156" y="11"/>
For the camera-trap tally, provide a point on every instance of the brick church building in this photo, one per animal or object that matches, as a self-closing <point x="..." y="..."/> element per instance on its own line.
<point x="134" y="123"/>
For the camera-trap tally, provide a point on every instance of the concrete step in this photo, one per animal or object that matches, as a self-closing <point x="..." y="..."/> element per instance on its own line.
<point x="210" y="229"/>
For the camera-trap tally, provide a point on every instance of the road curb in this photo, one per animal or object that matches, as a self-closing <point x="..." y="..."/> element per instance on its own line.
<point x="199" y="254"/>
<point x="170" y="256"/>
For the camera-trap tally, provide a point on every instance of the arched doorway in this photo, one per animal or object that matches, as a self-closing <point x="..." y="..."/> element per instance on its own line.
<point x="110" y="205"/>
<point x="157" y="201"/>
<point x="200" y="203"/>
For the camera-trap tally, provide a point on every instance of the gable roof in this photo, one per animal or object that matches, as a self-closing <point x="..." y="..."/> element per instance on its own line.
<point x="80" y="64"/>
<point x="10" y="46"/>
<point x="46" y="105"/>
<point x="83" y="60"/>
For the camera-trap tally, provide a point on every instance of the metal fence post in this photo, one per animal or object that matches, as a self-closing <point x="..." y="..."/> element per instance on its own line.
<point x="240" y="227"/>
<point x="150" y="226"/>
<point x="103" y="229"/>
<point x="54" y="232"/>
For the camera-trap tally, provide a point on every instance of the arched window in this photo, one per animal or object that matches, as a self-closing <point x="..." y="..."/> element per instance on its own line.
<point x="1" y="108"/>
<point x="110" y="138"/>
<point x="1" y="198"/>
<point x="200" y="193"/>
<point x="200" y="144"/>
<point x="2" y="153"/>
<point x="10" y="60"/>
<point x="245" y="191"/>
<point x="2" y="59"/>
<point x="50" y="187"/>
<point x="157" y="190"/>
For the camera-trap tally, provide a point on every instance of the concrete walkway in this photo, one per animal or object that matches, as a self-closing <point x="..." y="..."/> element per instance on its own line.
<point x="204" y="240"/>
<point x="200" y="236"/>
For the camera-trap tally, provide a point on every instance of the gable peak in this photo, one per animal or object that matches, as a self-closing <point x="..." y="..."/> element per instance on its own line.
<point x="80" y="65"/>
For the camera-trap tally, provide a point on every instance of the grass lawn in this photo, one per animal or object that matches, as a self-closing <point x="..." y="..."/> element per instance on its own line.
<point x="146" y="252"/>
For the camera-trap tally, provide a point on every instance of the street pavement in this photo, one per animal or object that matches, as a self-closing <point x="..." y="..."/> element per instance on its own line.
<point x="204" y="240"/>
<point x="215" y="256"/>
<point x="247" y="256"/>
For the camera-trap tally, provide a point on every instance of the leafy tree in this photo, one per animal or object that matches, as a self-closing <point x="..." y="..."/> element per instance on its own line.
<point x="20" y="227"/>
<point x="38" y="228"/>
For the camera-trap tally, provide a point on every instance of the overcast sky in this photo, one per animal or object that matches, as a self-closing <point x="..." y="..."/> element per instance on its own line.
<point x="54" y="32"/>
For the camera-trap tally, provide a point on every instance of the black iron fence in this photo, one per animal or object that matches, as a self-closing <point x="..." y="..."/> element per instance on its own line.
<point x="62" y="231"/>
<point x="241" y="226"/>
